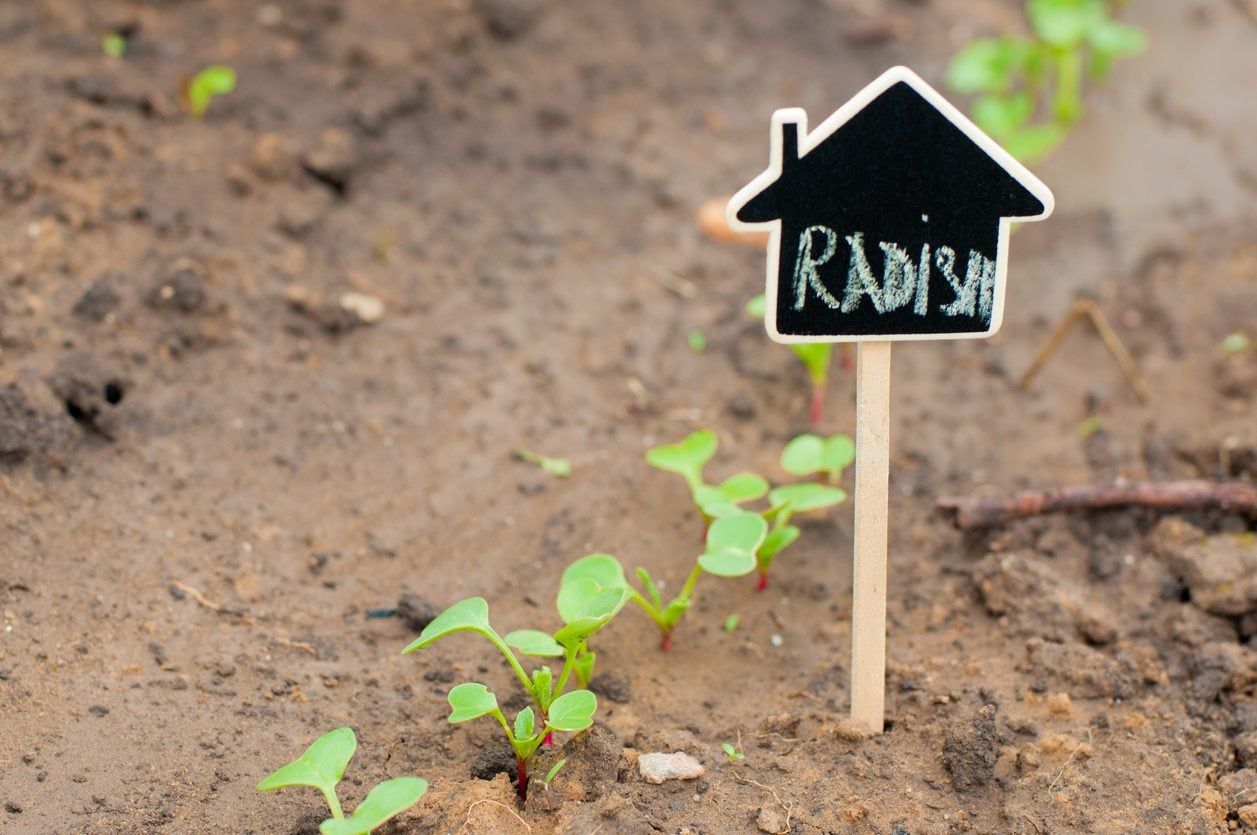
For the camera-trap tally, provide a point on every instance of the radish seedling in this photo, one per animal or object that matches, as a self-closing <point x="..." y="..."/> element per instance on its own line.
<point x="732" y="541"/>
<point x="732" y="752"/>
<point x="815" y="357"/>
<point x="812" y="455"/>
<point x="556" y="710"/>
<point x="114" y="45"/>
<point x="557" y="467"/>
<point x="323" y="765"/>
<point x="205" y="85"/>
<point x="687" y="458"/>
<point x="1029" y="89"/>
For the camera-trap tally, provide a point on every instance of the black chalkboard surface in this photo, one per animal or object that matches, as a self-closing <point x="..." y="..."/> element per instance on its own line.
<point x="889" y="221"/>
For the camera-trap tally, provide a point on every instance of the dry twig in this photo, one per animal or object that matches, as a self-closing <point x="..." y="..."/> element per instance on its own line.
<point x="787" y="808"/>
<point x="990" y="511"/>
<point x="1089" y="310"/>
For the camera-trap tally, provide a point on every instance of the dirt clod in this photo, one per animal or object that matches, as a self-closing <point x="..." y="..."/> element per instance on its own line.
<point x="416" y="611"/>
<point x="97" y="301"/>
<point x="594" y="758"/>
<point x="771" y="820"/>
<point x="181" y="290"/>
<point x="491" y="762"/>
<point x="91" y="394"/>
<point x="971" y="749"/>
<point x="613" y="687"/>
<point x="507" y="19"/>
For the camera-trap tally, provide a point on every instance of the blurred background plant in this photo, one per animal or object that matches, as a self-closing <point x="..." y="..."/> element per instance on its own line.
<point x="1028" y="88"/>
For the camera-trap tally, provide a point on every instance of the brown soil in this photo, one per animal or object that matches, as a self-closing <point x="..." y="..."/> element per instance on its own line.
<point x="212" y="472"/>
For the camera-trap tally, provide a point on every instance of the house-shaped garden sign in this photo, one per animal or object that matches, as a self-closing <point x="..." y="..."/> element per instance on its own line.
<point x="889" y="221"/>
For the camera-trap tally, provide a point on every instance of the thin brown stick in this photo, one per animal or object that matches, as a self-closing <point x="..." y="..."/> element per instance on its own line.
<point x="1089" y="310"/>
<point x="787" y="808"/>
<point x="990" y="511"/>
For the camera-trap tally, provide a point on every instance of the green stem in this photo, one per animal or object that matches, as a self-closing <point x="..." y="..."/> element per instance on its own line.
<point x="647" y="607"/>
<point x="568" y="663"/>
<point x="687" y="590"/>
<point x="512" y="660"/>
<point x="1068" y="99"/>
<point x="333" y="802"/>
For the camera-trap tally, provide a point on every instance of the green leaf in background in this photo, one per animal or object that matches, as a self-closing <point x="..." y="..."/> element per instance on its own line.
<point x="554" y="770"/>
<point x="722" y="499"/>
<point x="386" y="800"/>
<point x="1033" y="143"/>
<point x="815" y="357"/>
<point x="470" y="700"/>
<point x="573" y="711"/>
<point x="986" y="65"/>
<point x="686" y="458"/>
<point x="321" y="766"/>
<point x="1065" y="23"/>
<point x="206" y="84"/>
<point x="1003" y="115"/>
<point x="757" y="307"/>
<point x="652" y="590"/>
<point x="114" y="45"/>
<point x="584" y="579"/>
<point x="557" y="467"/>
<point x="470" y="615"/>
<point x="808" y="454"/>
<point x="804" y="497"/>
<point x="533" y="642"/>
<point x="697" y="340"/>
<point x="597" y="613"/>
<point x="777" y="541"/>
<point x="731" y="544"/>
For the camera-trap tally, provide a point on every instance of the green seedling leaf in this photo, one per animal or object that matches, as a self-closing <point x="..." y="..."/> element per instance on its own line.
<point x="808" y="454"/>
<point x="114" y="45"/>
<point x="206" y="84"/>
<point x="815" y="357"/>
<point x="732" y="753"/>
<point x="470" y="701"/>
<point x="757" y="307"/>
<point x="584" y="580"/>
<point x="553" y="772"/>
<point x="525" y="724"/>
<point x="1235" y="343"/>
<point x="321" y="766"/>
<point x="676" y="607"/>
<point x="1035" y="142"/>
<point x="686" y="458"/>
<point x="652" y="590"/>
<point x="778" y="540"/>
<point x="573" y="711"/>
<point x="721" y="500"/>
<point x="557" y="467"/>
<point x="542" y="679"/>
<point x="986" y="65"/>
<point x="1003" y="115"/>
<point x="1065" y="23"/>
<point x="804" y="497"/>
<point x="596" y="614"/>
<point x="533" y="642"/>
<point x="1114" y="39"/>
<point x="470" y="615"/>
<point x="584" y="666"/>
<point x="697" y="340"/>
<point x="731" y="544"/>
<point x="731" y="623"/>
<point x="385" y="801"/>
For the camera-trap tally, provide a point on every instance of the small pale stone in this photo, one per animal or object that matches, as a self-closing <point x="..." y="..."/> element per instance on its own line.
<point x="657" y="767"/>
<point x="367" y="309"/>
<point x="1248" y="814"/>
<point x="771" y="820"/>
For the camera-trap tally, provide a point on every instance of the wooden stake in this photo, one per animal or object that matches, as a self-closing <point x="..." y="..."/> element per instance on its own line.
<point x="872" y="506"/>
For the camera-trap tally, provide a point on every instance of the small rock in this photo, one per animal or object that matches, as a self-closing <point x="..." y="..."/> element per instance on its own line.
<point x="90" y="393"/>
<point x="97" y="301"/>
<point x="506" y="20"/>
<point x="658" y="767"/>
<point x="771" y="820"/>
<point x="1248" y="815"/>
<point x="366" y="309"/>
<point x="98" y="710"/>
<point x="852" y="731"/>
<point x="1246" y="748"/>
<point x="273" y="157"/>
<point x="613" y="687"/>
<point x="415" y="611"/>
<point x="971" y="749"/>
<point x="491" y="762"/>
<point x="740" y="407"/>
<point x="333" y="160"/>
<point x="182" y="290"/>
<point x="1221" y="572"/>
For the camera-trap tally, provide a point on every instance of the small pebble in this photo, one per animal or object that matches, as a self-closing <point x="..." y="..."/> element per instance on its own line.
<point x="776" y="640"/>
<point x="366" y="309"/>
<point x="658" y="767"/>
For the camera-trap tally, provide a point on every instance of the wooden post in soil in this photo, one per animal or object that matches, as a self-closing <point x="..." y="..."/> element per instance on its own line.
<point x="872" y="507"/>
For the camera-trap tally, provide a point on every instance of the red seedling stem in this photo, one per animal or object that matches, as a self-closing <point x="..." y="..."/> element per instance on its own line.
<point x="762" y="585"/>
<point x="521" y="786"/>
<point x="665" y="643"/>
<point x="549" y="740"/>
<point x="818" y="405"/>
